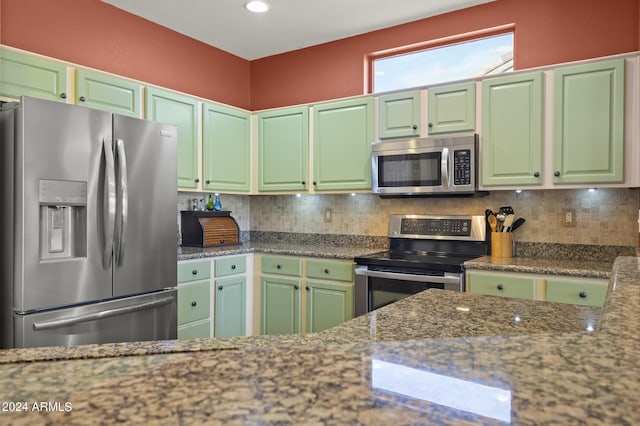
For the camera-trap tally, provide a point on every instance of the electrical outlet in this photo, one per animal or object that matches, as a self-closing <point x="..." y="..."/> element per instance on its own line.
<point x="328" y="215"/>
<point x="568" y="218"/>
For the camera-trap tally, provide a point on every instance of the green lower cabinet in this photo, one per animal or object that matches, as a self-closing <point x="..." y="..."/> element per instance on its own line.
<point x="230" y="307"/>
<point x="195" y="330"/>
<point x="328" y="304"/>
<point x="30" y="75"/>
<point x="280" y="305"/>
<point x="577" y="291"/>
<point x="502" y="284"/>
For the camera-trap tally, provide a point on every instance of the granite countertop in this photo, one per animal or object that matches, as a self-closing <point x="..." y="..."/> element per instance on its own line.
<point x="436" y="357"/>
<point x="576" y="268"/>
<point x="289" y="249"/>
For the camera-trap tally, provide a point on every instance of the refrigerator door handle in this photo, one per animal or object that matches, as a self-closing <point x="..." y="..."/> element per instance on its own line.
<point x="65" y="322"/>
<point x="109" y="202"/>
<point x="122" y="203"/>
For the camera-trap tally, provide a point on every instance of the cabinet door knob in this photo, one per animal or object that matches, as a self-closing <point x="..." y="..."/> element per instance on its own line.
<point x="82" y="99"/>
<point x="314" y="183"/>
<point x="583" y="294"/>
<point x="326" y="270"/>
<point x="307" y="288"/>
<point x="194" y="272"/>
<point x="194" y="303"/>
<point x="219" y="287"/>
<point x="556" y="173"/>
<point x="414" y="127"/>
<point x="208" y="181"/>
<point x="303" y="182"/>
<point x="536" y="174"/>
<point x="278" y="266"/>
<point x="430" y="125"/>
<point x="63" y="95"/>
<point x="500" y="287"/>
<point x="233" y="267"/>
<point x="196" y="180"/>
<point x="295" y="287"/>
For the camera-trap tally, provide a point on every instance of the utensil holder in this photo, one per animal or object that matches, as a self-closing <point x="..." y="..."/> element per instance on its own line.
<point x="501" y="244"/>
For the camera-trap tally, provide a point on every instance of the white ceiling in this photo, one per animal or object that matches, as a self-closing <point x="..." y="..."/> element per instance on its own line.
<point x="289" y="25"/>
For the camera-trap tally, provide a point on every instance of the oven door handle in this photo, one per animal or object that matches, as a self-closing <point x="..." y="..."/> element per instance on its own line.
<point x="407" y="277"/>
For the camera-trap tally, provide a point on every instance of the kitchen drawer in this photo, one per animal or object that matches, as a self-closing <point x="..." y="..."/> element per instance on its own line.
<point x="193" y="302"/>
<point x="281" y="265"/>
<point x="584" y="291"/>
<point x="230" y="266"/>
<point x="330" y="270"/>
<point x="502" y="284"/>
<point x="194" y="330"/>
<point x="193" y="271"/>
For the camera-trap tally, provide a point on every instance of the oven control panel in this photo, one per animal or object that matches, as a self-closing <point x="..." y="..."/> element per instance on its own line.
<point x="438" y="227"/>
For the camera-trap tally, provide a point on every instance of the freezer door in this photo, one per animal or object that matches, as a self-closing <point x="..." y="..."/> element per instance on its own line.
<point x="145" y="248"/>
<point x="60" y="247"/>
<point x="147" y="317"/>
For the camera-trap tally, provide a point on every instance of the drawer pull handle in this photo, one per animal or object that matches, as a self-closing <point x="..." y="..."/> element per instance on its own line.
<point x="233" y="267"/>
<point x="326" y="270"/>
<point x="194" y="303"/>
<point x="278" y="266"/>
<point x="194" y="272"/>
<point x="583" y="294"/>
<point x="500" y="287"/>
<point x="219" y="287"/>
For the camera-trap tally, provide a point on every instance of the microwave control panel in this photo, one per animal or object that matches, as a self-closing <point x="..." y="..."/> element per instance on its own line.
<point x="462" y="167"/>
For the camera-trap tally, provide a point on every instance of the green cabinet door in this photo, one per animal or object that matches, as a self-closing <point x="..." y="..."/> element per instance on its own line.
<point x="230" y="307"/>
<point x="588" y="123"/>
<point x="399" y="115"/>
<point x="181" y="111"/>
<point x="108" y="93"/>
<point x="280" y="305"/>
<point x="502" y="284"/>
<point x="452" y="108"/>
<point x="512" y="130"/>
<point x="577" y="291"/>
<point x="342" y="137"/>
<point x="226" y="148"/>
<point x="30" y="75"/>
<point x="328" y="304"/>
<point x="283" y="149"/>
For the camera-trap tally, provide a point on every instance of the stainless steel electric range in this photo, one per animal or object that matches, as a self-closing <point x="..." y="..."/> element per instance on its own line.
<point x="425" y="252"/>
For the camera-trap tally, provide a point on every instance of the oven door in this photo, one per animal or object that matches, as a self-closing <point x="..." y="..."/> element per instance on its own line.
<point x="375" y="289"/>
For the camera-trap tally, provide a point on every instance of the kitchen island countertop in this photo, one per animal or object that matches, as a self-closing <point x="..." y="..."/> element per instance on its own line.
<point x="512" y="361"/>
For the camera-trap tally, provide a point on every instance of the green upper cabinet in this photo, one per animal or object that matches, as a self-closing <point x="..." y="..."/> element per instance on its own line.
<point x="328" y="304"/>
<point x="283" y="149"/>
<point x="181" y="111"/>
<point x="512" y="130"/>
<point x="226" y="149"/>
<point x="109" y="93"/>
<point x="452" y="108"/>
<point x="588" y="123"/>
<point x="29" y="75"/>
<point x="399" y="115"/>
<point x="342" y="137"/>
<point x="230" y="307"/>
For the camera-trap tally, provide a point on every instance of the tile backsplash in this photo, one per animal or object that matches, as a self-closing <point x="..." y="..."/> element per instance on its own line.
<point x="602" y="217"/>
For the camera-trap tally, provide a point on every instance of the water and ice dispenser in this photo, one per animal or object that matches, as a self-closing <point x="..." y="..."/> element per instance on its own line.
<point x="63" y="219"/>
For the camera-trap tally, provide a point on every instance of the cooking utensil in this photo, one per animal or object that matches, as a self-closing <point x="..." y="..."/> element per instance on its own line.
<point x="506" y="210"/>
<point x="492" y="222"/>
<point x="500" y="217"/>
<point x="508" y="221"/>
<point x="517" y="223"/>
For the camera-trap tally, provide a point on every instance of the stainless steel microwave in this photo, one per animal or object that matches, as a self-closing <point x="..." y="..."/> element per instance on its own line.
<point x="434" y="165"/>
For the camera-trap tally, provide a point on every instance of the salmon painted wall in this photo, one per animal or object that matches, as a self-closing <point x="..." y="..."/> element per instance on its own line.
<point x="546" y="32"/>
<point x="98" y="35"/>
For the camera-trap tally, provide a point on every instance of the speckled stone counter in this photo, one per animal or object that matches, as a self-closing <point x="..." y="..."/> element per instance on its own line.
<point x="282" y="248"/>
<point x="435" y="358"/>
<point x="575" y="268"/>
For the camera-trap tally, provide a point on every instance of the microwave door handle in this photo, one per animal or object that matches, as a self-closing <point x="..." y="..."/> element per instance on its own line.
<point x="444" y="166"/>
<point x="407" y="277"/>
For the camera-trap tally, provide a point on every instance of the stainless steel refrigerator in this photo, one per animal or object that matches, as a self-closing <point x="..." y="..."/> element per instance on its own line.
<point x="88" y="226"/>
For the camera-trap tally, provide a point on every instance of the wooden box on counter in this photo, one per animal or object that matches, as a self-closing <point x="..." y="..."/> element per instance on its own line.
<point x="208" y="228"/>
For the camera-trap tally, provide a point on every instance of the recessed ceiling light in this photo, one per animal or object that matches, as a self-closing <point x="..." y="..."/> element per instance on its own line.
<point x="257" y="6"/>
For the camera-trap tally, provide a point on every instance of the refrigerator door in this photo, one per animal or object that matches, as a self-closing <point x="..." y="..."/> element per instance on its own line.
<point x="145" y="248"/>
<point x="147" y="317"/>
<point x="64" y="205"/>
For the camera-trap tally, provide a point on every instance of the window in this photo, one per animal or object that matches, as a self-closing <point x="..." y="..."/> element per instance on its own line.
<point x="485" y="56"/>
